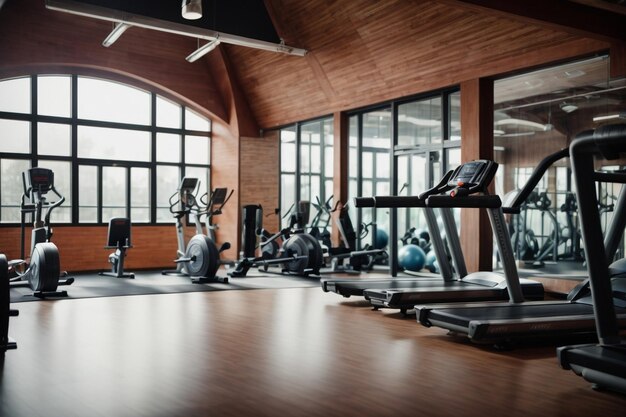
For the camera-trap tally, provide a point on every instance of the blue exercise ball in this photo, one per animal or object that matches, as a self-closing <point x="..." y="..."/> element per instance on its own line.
<point x="381" y="239"/>
<point x="431" y="262"/>
<point x="411" y="257"/>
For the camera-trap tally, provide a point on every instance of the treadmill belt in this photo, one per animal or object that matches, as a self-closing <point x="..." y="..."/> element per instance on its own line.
<point x="463" y="316"/>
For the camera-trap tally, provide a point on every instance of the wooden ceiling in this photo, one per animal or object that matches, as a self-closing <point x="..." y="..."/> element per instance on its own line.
<point x="363" y="52"/>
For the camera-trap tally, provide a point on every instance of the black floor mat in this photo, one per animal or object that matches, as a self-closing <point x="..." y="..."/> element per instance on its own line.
<point x="153" y="282"/>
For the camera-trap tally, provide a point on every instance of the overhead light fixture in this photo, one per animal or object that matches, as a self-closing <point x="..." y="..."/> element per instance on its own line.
<point x="203" y="50"/>
<point x="117" y="31"/>
<point x="192" y="9"/>
<point x="135" y="20"/>
<point x="610" y="117"/>
<point x="568" y="107"/>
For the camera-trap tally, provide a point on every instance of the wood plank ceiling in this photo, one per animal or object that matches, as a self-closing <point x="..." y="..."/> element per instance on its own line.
<point x="363" y="52"/>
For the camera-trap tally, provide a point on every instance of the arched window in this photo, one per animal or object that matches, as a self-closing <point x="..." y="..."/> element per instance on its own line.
<point x="116" y="150"/>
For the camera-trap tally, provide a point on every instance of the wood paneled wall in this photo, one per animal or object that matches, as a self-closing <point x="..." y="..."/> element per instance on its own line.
<point x="363" y="52"/>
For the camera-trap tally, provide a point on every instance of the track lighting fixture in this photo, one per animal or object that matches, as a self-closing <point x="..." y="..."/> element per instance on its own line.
<point x="192" y="9"/>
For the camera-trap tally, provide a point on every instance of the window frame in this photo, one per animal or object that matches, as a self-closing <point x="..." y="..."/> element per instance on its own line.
<point x="33" y="118"/>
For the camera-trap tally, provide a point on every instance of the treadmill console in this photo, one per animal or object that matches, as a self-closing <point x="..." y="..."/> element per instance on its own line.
<point x="472" y="177"/>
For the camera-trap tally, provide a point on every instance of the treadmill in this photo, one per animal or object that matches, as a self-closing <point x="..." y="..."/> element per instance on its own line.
<point x="603" y="364"/>
<point x="449" y="271"/>
<point x="505" y="323"/>
<point x="467" y="187"/>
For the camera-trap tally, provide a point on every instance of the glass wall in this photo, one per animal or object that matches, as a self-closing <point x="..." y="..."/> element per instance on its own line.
<point x="306" y="164"/>
<point x="116" y="150"/>
<point x="401" y="149"/>
<point x="538" y="113"/>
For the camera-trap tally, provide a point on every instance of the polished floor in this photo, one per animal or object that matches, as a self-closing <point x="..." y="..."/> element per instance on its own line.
<point x="269" y="352"/>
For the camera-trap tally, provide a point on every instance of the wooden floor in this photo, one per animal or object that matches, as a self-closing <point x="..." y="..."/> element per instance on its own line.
<point x="289" y="352"/>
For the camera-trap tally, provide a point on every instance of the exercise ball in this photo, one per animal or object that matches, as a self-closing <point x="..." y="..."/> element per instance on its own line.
<point x="431" y="262"/>
<point x="381" y="239"/>
<point x="411" y="257"/>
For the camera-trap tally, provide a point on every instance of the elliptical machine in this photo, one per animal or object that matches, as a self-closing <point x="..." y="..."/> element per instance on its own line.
<point x="271" y="253"/>
<point x="43" y="272"/>
<point x="199" y="259"/>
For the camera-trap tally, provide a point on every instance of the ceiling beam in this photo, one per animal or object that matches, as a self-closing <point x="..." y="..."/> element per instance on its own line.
<point x="571" y="17"/>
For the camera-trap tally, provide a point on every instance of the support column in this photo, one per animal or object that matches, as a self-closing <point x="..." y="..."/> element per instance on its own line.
<point x="477" y="143"/>
<point x="340" y="166"/>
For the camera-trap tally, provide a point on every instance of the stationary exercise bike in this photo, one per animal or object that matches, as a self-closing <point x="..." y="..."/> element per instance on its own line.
<point x="43" y="273"/>
<point x="199" y="259"/>
<point x="6" y="342"/>
<point x="118" y="238"/>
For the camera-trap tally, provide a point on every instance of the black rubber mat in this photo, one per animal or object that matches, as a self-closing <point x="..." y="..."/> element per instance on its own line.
<point x="87" y="285"/>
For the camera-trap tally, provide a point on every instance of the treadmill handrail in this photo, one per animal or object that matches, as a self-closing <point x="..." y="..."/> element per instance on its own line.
<point x="608" y="141"/>
<point x="535" y="177"/>
<point x="471" y="201"/>
<point x="404" y="201"/>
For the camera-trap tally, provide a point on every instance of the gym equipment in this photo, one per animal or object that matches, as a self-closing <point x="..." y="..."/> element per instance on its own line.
<point x="358" y="260"/>
<point x="43" y="272"/>
<point x="603" y="364"/>
<point x="448" y="269"/>
<point x="199" y="259"/>
<point x="252" y="218"/>
<point x="6" y="342"/>
<point x="503" y="324"/>
<point x="301" y="253"/>
<point x="431" y="262"/>
<point x="411" y="257"/>
<point x="118" y="238"/>
<point x="464" y="184"/>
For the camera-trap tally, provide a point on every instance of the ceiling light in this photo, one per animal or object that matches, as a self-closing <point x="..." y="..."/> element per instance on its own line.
<point x="568" y="107"/>
<point x="117" y="31"/>
<point x="112" y="15"/>
<point x="609" y="117"/>
<point x="192" y="9"/>
<point x="203" y="50"/>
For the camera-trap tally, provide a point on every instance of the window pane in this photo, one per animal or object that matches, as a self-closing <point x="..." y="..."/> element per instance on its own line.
<point x="288" y="156"/>
<point x="287" y="196"/>
<point x="53" y="139"/>
<point x="168" y="147"/>
<point x="305" y="167"/>
<point x="193" y="121"/>
<point x="140" y="194"/>
<point x="87" y="194"/>
<point x="113" y="192"/>
<point x="54" y="96"/>
<point x="328" y="161"/>
<point x="168" y="113"/>
<point x="12" y="188"/>
<point x="367" y="166"/>
<point x="63" y="185"/>
<point x="168" y="179"/>
<point x="377" y="129"/>
<point x="15" y="95"/>
<point x="118" y="144"/>
<point x="14" y="136"/>
<point x="197" y="150"/>
<point x="112" y="102"/>
<point x="316" y="159"/>
<point x="419" y="122"/>
<point x="455" y="116"/>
